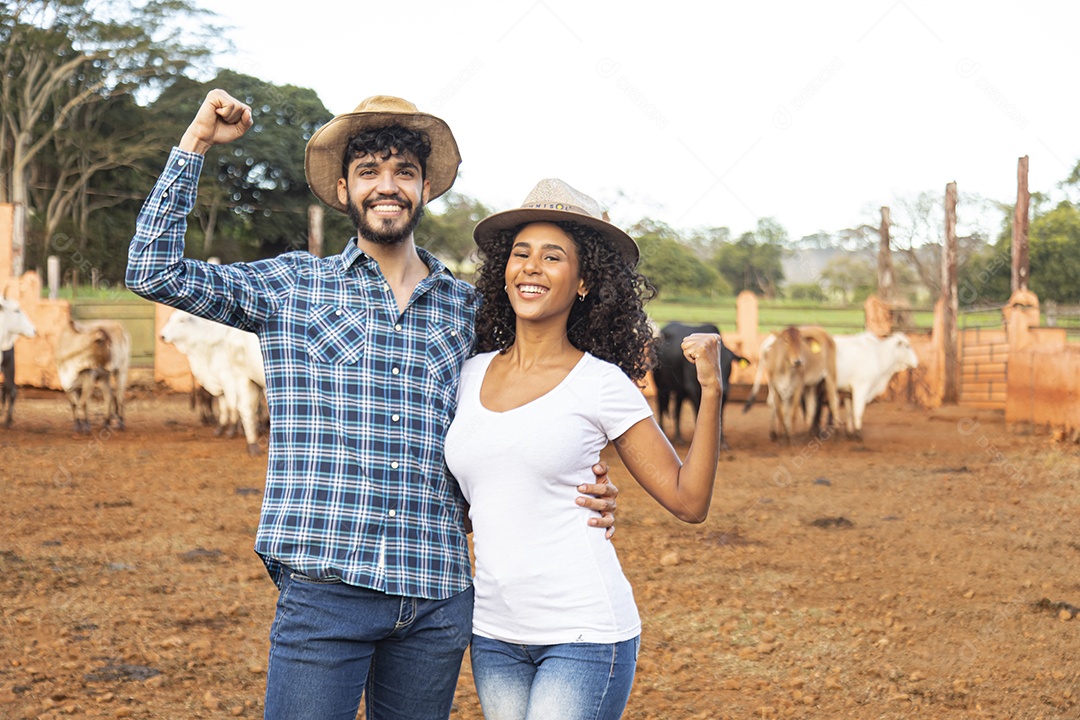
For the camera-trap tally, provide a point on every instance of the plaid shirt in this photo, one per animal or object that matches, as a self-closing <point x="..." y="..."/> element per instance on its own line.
<point x="360" y="397"/>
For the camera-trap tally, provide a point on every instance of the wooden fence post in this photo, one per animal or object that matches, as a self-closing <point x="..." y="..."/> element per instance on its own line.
<point x="950" y="301"/>
<point x="885" y="275"/>
<point x="1020" y="267"/>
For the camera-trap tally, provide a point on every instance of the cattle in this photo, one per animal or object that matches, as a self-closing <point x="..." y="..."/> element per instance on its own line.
<point x="865" y="364"/>
<point x="676" y="378"/>
<point x="13" y="323"/>
<point x="227" y="363"/>
<point x="796" y="361"/>
<point x="89" y="352"/>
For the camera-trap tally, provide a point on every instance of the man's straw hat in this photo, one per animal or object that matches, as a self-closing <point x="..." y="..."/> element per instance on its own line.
<point x="326" y="148"/>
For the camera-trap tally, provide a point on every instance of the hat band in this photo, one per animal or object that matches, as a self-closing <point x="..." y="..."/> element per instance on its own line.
<point x="565" y="207"/>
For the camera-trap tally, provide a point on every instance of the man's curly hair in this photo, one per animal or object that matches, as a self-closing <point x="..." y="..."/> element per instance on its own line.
<point x="610" y="323"/>
<point x="382" y="142"/>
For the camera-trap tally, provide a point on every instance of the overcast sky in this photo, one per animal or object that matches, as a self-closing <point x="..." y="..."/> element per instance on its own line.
<point x="703" y="114"/>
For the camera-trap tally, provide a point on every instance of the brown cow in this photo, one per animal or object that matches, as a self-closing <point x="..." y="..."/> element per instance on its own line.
<point x="87" y="352"/>
<point x="796" y="361"/>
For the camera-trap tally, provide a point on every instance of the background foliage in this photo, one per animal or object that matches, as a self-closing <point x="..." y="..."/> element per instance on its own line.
<point x="94" y="93"/>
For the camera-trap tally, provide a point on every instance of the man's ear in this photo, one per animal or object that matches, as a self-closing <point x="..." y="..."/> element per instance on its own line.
<point x="343" y="191"/>
<point x="427" y="191"/>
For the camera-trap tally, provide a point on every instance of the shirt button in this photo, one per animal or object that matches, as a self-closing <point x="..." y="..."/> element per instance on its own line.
<point x="392" y="513"/>
<point x="338" y="313"/>
<point x="181" y="162"/>
<point x="164" y="196"/>
<point x="386" y="287"/>
<point x="453" y="333"/>
<point x="395" y="371"/>
<point x="398" y="326"/>
<point x="395" y="417"/>
<point x="394" y="464"/>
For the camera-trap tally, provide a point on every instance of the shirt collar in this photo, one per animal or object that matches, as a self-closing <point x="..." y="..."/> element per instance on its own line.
<point x="352" y="254"/>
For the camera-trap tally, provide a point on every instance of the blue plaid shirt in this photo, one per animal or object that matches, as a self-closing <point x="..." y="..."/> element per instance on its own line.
<point x="360" y="397"/>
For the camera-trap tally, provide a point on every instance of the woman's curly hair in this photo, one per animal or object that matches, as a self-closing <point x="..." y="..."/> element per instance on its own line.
<point x="610" y="323"/>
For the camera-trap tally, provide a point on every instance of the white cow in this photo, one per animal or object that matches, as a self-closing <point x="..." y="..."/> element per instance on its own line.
<point x="88" y="352"/>
<point x="227" y="362"/>
<point x="865" y="364"/>
<point x="13" y="323"/>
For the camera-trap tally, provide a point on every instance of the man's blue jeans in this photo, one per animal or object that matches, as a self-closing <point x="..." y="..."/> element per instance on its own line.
<point x="331" y="642"/>
<point x="575" y="681"/>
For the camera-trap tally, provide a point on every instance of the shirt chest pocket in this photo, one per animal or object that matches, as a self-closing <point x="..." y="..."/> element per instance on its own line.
<point x="447" y="349"/>
<point x="336" y="335"/>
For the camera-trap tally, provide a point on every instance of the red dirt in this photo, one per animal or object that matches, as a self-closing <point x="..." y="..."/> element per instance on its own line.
<point x="917" y="574"/>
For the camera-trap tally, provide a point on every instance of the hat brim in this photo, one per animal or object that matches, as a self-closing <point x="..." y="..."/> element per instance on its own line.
<point x="485" y="231"/>
<point x="326" y="148"/>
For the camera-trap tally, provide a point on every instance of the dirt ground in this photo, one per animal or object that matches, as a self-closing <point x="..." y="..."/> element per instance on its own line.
<point x="928" y="572"/>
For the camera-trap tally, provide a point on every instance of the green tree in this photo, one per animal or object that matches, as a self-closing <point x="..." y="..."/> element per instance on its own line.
<point x="704" y="243"/>
<point x="1054" y="252"/>
<point x="849" y="277"/>
<point x="447" y="232"/>
<point x="672" y="267"/>
<point x="57" y="59"/>
<point x="753" y="262"/>
<point x="253" y="194"/>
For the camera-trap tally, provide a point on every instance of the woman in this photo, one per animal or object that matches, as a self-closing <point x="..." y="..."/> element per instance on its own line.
<point x="562" y="338"/>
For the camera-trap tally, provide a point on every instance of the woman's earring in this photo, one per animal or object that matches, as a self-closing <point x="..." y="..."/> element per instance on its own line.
<point x="581" y="298"/>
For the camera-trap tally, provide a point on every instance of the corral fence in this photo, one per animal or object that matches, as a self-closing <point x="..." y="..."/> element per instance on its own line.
<point x="1062" y="316"/>
<point x="839" y="320"/>
<point x="137" y="317"/>
<point x="984" y="358"/>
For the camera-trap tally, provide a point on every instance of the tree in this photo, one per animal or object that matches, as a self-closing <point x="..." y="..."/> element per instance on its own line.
<point x="849" y="277"/>
<point x="64" y="185"/>
<point x="704" y="243"/>
<point x="58" y="57"/>
<point x="753" y="262"/>
<point x="672" y="267"/>
<point x="253" y="195"/>
<point x="1054" y="253"/>
<point x="918" y="228"/>
<point x="448" y="233"/>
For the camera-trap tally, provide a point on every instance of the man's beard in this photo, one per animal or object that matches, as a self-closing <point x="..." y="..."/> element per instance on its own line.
<point x="385" y="235"/>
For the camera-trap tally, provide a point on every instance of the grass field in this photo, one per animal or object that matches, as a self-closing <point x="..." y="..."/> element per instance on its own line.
<point x="773" y="315"/>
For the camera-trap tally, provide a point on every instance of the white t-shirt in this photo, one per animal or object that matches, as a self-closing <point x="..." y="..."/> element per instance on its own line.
<point x="543" y="575"/>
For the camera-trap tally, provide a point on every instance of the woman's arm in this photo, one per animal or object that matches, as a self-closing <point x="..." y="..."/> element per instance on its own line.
<point x="684" y="488"/>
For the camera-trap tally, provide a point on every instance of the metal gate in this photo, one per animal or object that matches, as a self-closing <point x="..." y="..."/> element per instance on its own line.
<point x="984" y="362"/>
<point x="137" y="317"/>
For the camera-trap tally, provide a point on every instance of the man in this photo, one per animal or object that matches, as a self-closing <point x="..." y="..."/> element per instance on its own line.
<point x="361" y="529"/>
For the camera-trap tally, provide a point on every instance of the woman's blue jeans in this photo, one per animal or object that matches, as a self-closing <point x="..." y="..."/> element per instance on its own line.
<point x="574" y="681"/>
<point x="331" y="642"/>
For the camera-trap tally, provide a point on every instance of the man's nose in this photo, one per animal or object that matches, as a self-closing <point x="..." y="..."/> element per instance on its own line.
<point x="387" y="184"/>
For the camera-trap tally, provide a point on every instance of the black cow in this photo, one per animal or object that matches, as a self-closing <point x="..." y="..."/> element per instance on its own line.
<point x="7" y="390"/>
<point x="675" y="376"/>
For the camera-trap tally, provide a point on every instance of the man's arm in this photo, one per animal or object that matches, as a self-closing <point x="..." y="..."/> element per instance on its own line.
<point x="241" y="295"/>
<point x="600" y="496"/>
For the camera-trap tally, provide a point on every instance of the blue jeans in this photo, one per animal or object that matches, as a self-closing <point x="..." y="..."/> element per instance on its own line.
<point x="574" y="681"/>
<point x="331" y="641"/>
